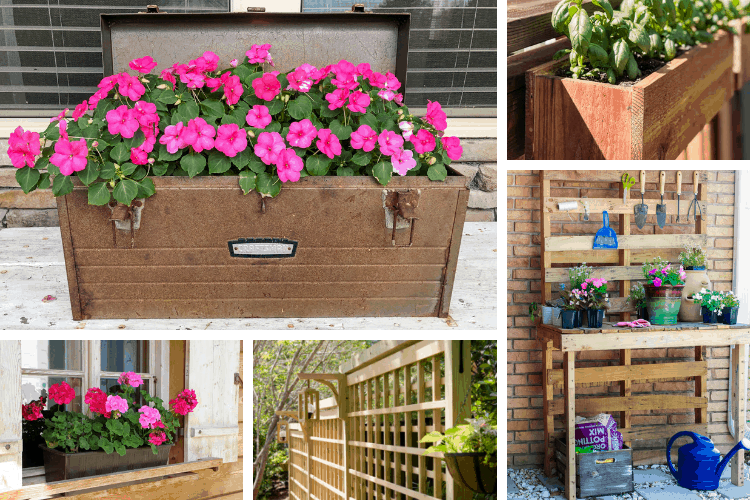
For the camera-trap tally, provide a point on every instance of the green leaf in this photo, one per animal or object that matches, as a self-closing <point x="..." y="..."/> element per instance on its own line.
<point x="159" y="168"/>
<point x="125" y="429"/>
<point x="107" y="171"/>
<point x="361" y="158"/>
<point x="268" y="185"/>
<point x="605" y="6"/>
<point x="560" y="16"/>
<point x="120" y="448"/>
<point x="632" y="68"/>
<point x="344" y="171"/>
<point x="120" y="153"/>
<point x="437" y="172"/>
<point x="99" y="194"/>
<point x="273" y="127"/>
<point x="325" y="112"/>
<point x="125" y="192"/>
<point x="128" y="168"/>
<point x="247" y="181"/>
<point x="193" y="164"/>
<point x="639" y="37"/>
<point x="83" y="443"/>
<point x="317" y="165"/>
<point x="166" y="97"/>
<point x="27" y="178"/>
<point x="598" y="56"/>
<point x="670" y="48"/>
<point x="212" y="107"/>
<point x="62" y="185"/>
<point x="621" y="54"/>
<point x="256" y="165"/>
<point x="165" y="155"/>
<point x="580" y="31"/>
<point x="241" y="159"/>
<point x="369" y="120"/>
<point x="146" y="188"/>
<point x="341" y="131"/>
<point x="300" y="108"/>
<point x="383" y="172"/>
<point x="274" y="106"/>
<point x="561" y="53"/>
<point x="134" y="141"/>
<point x="44" y="181"/>
<point x="218" y="162"/>
<point x="90" y="173"/>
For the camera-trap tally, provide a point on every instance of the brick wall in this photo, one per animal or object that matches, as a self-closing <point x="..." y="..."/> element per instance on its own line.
<point x="525" y="425"/>
<point x="479" y="163"/>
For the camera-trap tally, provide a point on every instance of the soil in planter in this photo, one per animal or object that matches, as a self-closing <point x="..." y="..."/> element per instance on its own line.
<point x="647" y="66"/>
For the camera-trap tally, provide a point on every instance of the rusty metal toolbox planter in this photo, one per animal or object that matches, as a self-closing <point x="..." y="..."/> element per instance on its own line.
<point x="59" y="466"/>
<point x="324" y="247"/>
<point x="654" y="119"/>
<point x="344" y="262"/>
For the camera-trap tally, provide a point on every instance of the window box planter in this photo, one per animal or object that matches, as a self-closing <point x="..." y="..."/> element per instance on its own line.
<point x="654" y="119"/>
<point x="469" y="470"/>
<point x="60" y="466"/>
<point x="187" y="259"/>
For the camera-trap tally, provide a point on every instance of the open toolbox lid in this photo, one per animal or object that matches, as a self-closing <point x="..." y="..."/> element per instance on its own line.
<point x="382" y="40"/>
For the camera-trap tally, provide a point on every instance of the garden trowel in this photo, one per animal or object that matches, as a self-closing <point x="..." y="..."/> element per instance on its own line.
<point x="661" y="208"/>
<point x="641" y="210"/>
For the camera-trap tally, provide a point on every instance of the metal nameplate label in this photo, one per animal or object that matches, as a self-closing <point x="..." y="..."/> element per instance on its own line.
<point x="263" y="248"/>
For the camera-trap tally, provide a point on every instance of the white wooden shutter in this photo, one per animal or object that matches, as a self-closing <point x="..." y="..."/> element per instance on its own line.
<point x="212" y="429"/>
<point x="11" y="444"/>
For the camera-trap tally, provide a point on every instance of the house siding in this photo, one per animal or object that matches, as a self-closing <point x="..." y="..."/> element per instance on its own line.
<point x="524" y="365"/>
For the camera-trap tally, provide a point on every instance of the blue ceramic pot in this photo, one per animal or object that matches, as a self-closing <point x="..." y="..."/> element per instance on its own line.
<point x="596" y="317"/>
<point x="709" y="316"/>
<point x="569" y="319"/>
<point x="729" y="315"/>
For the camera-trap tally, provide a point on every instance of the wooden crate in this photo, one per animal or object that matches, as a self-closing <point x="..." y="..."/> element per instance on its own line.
<point x="654" y="119"/>
<point x="598" y="474"/>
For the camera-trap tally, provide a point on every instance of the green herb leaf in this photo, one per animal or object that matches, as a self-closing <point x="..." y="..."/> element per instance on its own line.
<point x="580" y="31"/>
<point x="605" y="6"/>
<point x="27" y="178"/>
<point x="560" y="16"/>
<point x="621" y="54"/>
<point x="99" y="194"/>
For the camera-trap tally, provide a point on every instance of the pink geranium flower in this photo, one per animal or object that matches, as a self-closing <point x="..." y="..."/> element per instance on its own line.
<point x="143" y="64"/>
<point x="157" y="438"/>
<point x="402" y="161"/>
<point x="96" y="399"/>
<point x="364" y="138"/>
<point x="424" y="141"/>
<point x="69" y="156"/>
<point x="289" y="165"/>
<point x="452" y="147"/>
<point x="233" y="89"/>
<point x="260" y="54"/>
<point x="172" y="137"/>
<point x="337" y="98"/>
<point x="269" y="146"/>
<point x="149" y="416"/>
<point x="130" y="378"/>
<point x="80" y="110"/>
<point x="122" y="121"/>
<point x="185" y="402"/>
<point x="266" y="87"/>
<point x="116" y="404"/>
<point x="328" y="143"/>
<point x="390" y="142"/>
<point x="130" y="87"/>
<point x="201" y="135"/>
<point x="231" y="139"/>
<point x="62" y="393"/>
<point x="436" y="116"/>
<point x="358" y="102"/>
<point x="301" y="134"/>
<point x="258" y="116"/>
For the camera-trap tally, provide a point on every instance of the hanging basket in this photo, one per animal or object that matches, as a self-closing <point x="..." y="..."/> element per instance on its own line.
<point x="470" y="470"/>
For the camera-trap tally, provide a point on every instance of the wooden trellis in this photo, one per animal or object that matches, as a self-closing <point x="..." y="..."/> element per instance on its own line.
<point x="365" y="445"/>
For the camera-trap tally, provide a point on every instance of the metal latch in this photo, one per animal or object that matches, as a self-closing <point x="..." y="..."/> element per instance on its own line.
<point x="237" y="379"/>
<point x="400" y="211"/>
<point x="126" y="218"/>
<point x="358" y="7"/>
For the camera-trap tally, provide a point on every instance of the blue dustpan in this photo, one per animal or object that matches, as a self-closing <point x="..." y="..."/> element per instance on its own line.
<point x="605" y="238"/>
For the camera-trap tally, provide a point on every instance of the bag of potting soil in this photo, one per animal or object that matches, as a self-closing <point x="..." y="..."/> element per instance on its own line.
<point x="599" y="431"/>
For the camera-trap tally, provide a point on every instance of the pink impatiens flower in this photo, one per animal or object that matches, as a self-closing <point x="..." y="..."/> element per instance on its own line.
<point x="303" y="78"/>
<point x="269" y="146"/>
<point x="452" y="147"/>
<point x="386" y="94"/>
<point x="301" y="134"/>
<point x="364" y="138"/>
<point x="266" y="87"/>
<point x="168" y="76"/>
<point x="80" y="110"/>
<point x="328" y="143"/>
<point x="358" y="102"/>
<point x="116" y="404"/>
<point x="391" y="82"/>
<point x="260" y="54"/>
<point x="199" y="134"/>
<point x="145" y="113"/>
<point x="337" y="98"/>
<point x="69" y="156"/>
<point x="130" y="378"/>
<point x="61" y="116"/>
<point x="233" y="89"/>
<point x="98" y="96"/>
<point x="424" y="141"/>
<point x="121" y="121"/>
<point x="231" y="139"/>
<point x="138" y="156"/>
<point x="23" y="147"/>
<point x="377" y="79"/>
<point x="130" y="87"/>
<point x="407" y="129"/>
<point x="402" y="161"/>
<point x="210" y="60"/>
<point x="258" y="116"/>
<point x="436" y="116"/>
<point x="233" y="63"/>
<point x="143" y="64"/>
<point x="193" y="79"/>
<point x="149" y="416"/>
<point x="289" y="165"/>
<point x="172" y="137"/>
<point x="390" y="142"/>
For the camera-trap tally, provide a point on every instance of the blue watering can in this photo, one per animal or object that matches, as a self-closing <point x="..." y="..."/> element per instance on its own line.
<point x="699" y="463"/>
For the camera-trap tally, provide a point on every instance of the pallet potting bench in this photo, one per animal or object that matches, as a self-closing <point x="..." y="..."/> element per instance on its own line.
<point x="632" y="249"/>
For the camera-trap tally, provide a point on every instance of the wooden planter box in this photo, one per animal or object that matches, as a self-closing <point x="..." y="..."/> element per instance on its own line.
<point x="59" y="466"/>
<point x="654" y="119"/>
<point x="598" y="474"/>
<point x="330" y="240"/>
<point x="741" y="61"/>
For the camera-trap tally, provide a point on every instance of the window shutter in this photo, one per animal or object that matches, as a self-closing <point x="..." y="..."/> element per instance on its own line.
<point x="212" y="429"/>
<point x="11" y="443"/>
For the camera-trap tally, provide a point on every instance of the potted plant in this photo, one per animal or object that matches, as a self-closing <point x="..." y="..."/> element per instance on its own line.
<point x="638" y="299"/>
<point x="574" y="303"/>
<point x="122" y="434"/>
<point x="619" y="111"/>
<point x="32" y="427"/>
<point x="470" y="453"/>
<point x="693" y="260"/>
<point x="731" y="306"/>
<point x="597" y="300"/>
<point x="664" y="283"/>
<point x="711" y="303"/>
<point x="124" y="165"/>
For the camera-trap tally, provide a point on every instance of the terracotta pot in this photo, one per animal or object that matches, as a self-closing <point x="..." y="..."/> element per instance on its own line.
<point x="663" y="303"/>
<point x="696" y="279"/>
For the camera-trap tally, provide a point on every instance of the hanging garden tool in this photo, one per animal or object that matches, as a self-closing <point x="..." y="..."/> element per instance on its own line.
<point x="661" y="208"/>
<point x="605" y="238"/>
<point x="627" y="183"/>
<point x="694" y="204"/>
<point x="641" y="210"/>
<point x="679" y="192"/>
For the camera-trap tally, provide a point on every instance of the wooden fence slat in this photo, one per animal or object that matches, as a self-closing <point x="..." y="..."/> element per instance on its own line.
<point x="651" y="402"/>
<point x="633" y="373"/>
<point x="636" y="241"/>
